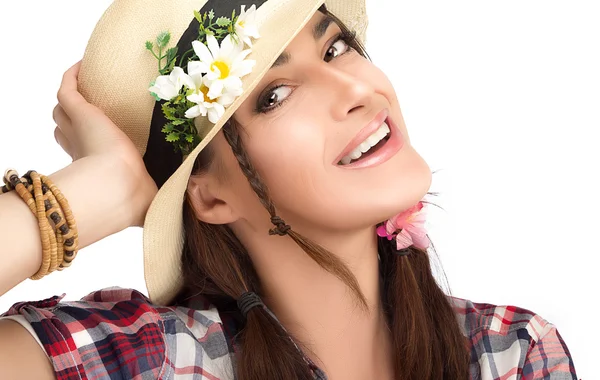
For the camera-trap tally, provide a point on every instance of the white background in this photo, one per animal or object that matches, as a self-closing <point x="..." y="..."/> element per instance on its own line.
<point x="503" y="97"/>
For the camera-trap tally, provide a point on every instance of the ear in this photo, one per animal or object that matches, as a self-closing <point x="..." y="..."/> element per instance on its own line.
<point x="209" y="201"/>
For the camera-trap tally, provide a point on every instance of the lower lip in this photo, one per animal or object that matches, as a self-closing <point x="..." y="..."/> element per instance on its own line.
<point x="387" y="151"/>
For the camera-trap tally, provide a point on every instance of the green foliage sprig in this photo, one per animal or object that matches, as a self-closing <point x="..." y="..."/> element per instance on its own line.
<point x="219" y="28"/>
<point x="180" y="130"/>
<point x="162" y="40"/>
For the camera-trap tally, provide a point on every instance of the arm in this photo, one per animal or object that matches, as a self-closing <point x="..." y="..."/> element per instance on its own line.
<point x="549" y="358"/>
<point x="21" y="357"/>
<point x="101" y="208"/>
<point x="107" y="185"/>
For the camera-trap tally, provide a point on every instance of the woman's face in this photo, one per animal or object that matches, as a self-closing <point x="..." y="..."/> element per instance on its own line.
<point x="315" y="106"/>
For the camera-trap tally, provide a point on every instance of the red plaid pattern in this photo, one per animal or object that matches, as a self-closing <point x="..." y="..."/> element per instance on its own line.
<point x="117" y="333"/>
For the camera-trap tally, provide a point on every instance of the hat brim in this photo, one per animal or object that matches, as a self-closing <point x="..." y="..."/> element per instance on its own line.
<point x="279" y="21"/>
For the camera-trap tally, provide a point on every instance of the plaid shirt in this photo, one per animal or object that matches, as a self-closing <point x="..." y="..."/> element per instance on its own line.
<point x="116" y="333"/>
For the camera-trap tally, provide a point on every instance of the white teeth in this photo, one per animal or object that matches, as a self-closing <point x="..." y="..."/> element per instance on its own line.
<point x="369" y="142"/>
<point x="365" y="146"/>
<point x="355" y="154"/>
<point x="373" y="140"/>
<point x="346" y="160"/>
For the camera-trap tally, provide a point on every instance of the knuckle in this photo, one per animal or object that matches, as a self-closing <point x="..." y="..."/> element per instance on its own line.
<point x="55" y="112"/>
<point x="60" y="95"/>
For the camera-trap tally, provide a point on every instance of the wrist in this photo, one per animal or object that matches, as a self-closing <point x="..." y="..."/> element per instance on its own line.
<point x="99" y="194"/>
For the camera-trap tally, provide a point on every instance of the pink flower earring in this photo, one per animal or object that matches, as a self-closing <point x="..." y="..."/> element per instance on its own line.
<point x="408" y="228"/>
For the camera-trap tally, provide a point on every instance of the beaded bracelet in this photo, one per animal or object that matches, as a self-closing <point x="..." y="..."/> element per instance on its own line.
<point x="59" y="243"/>
<point x="68" y="229"/>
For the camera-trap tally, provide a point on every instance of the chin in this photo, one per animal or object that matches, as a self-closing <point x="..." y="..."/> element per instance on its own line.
<point x="407" y="183"/>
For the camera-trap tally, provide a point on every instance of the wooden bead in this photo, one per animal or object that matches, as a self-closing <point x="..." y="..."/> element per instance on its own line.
<point x="58" y="230"/>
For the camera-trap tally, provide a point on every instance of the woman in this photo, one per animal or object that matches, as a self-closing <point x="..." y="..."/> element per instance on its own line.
<point x="289" y="242"/>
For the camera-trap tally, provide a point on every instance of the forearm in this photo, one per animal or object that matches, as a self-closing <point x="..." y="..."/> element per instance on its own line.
<point x="100" y="208"/>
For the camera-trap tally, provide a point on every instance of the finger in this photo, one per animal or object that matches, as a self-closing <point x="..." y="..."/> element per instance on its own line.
<point x="62" y="140"/>
<point x="60" y="116"/>
<point x="68" y="96"/>
<point x="63" y="122"/>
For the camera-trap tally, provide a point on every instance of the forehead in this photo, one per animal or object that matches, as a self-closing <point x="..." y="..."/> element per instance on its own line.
<point x="317" y="27"/>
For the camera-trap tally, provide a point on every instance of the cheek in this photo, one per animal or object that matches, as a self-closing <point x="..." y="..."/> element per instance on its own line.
<point x="289" y="153"/>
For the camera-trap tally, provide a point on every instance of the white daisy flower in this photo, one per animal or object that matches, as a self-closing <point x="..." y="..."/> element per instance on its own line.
<point x="224" y="65"/>
<point x="167" y="87"/>
<point x="214" y="108"/>
<point x="245" y="26"/>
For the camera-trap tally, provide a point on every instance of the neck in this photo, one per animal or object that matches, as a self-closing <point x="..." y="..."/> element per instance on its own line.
<point x="320" y="311"/>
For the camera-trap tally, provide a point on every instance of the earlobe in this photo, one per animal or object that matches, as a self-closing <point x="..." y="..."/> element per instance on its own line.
<point x="208" y="202"/>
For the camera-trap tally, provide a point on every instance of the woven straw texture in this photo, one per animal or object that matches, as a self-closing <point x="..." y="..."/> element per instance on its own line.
<point x="115" y="76"/>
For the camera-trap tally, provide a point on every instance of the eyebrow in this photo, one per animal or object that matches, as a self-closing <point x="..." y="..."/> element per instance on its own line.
<point x="318" y="32"/>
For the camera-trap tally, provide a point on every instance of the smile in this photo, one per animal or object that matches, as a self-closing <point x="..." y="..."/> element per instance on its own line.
<point x="373" y="145"/>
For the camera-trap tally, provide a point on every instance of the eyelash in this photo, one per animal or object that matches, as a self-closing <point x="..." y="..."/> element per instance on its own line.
<point x="348" y="38"/>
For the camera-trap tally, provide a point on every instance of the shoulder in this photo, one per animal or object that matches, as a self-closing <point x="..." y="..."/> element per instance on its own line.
<point x="120" y="330"/>
<point x="507" y="340"/>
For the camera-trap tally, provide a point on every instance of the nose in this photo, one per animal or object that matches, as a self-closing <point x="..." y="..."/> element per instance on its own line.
<point x="350" y="93"/>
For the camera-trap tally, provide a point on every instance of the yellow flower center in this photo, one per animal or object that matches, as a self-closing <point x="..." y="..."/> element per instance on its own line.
<point x="223" y="68"/>
<point x="242" y="23"/>
<point x="204" y="90"/>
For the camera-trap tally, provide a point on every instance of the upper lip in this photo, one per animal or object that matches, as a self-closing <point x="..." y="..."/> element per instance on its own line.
<point x="362" y="135"/>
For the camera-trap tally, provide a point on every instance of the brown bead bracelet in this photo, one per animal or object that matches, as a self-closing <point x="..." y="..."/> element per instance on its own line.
<point x="46" y="202"/>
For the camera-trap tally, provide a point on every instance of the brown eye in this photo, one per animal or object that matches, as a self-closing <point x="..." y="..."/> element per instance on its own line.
<point x="277" y="95"/>
<point x="339" y="47"/>
<point x="274" y="97"/>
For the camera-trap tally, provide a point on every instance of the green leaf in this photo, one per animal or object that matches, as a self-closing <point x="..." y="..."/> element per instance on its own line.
<point x="163" y="39"/>
<point x="172" y="137"/>
<point x="171" y="53"/>
<point x="177" y="100"/>
<point x="198" y="16"/>
<point x="223" y="21"/>
<point x="178" y="122"/>
<point x="211" y="14"/>
<point x="168" y="111"/>
<point x="168" y="128"/>
<point x="171" y="57"/>
<point x="189" y="138"/>
<point x="149" y="45"/>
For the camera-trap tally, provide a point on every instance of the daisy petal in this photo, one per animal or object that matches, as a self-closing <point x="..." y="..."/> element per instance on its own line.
<point x="215" y="113"/>
<point x="226" y="99"/>
<point x="232" y="83"/>
<point x="203" y="53"/>
<point x="216" y="89"/>
<point x="196" y="67"/>
<point x="227" y="46"/>
<point x="243" y="68"/>
<point x="213" y="45"/>
<point x="241" y="56"/>
<point x="193" y="112"/>
<point x="187" y="81"/>
<point x="196" y="98"/>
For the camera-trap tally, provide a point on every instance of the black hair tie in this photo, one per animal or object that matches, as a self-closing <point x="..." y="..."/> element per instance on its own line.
<point x="247" y="301"/>
<point x="281" y="228"/>
<point x="402" y="252"/>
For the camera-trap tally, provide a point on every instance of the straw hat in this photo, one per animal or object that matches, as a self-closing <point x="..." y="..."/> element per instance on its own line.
<point x="116" y="73"/>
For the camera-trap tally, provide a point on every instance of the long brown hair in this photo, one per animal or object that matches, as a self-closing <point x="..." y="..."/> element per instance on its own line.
<point x="427" y="340"/>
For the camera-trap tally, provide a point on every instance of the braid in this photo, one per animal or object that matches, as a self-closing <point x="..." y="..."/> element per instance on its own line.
<point x="233" y="138"/>
<point x="321" y="256"/>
